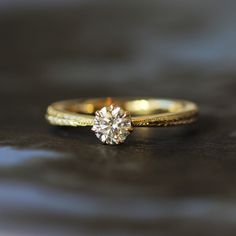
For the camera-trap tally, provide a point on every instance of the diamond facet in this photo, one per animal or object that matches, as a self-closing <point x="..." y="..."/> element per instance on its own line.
<point x="112" y="124"/>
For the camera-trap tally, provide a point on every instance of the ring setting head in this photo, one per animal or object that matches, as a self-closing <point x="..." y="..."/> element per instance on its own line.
<point x="112" y="124"/>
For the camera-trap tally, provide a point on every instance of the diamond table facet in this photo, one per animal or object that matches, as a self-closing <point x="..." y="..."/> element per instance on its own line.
<point x="112" y="124"/>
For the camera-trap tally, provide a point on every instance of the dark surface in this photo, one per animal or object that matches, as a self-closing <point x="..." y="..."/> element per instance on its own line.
<point x="162" y="181"/>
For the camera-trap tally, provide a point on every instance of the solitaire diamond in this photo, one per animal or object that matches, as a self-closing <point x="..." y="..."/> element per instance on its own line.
<point x="112" y="124"/>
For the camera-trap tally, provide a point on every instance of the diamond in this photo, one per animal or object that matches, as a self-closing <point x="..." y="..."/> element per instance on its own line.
<point x="112" y="124"/>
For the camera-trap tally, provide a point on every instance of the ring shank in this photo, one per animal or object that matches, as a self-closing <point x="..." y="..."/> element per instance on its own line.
<point x="144" y="111"/>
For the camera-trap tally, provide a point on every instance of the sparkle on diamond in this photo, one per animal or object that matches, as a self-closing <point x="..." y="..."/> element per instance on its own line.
<point x="112" y="124"/>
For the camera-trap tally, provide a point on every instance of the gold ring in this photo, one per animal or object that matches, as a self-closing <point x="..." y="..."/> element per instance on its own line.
<point x="113" y="119"/>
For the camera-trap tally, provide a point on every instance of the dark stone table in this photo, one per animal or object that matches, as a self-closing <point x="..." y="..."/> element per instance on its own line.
<point x="162" y="181"/>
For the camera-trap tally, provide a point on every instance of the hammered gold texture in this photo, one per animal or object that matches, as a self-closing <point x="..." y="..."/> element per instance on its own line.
<point x="187" y="112"/>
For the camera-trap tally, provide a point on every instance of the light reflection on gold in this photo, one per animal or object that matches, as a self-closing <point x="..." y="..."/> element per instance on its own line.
<point x="138" y="105"/>
<point x="135" y="106"/>
<point x="151" y="106"/>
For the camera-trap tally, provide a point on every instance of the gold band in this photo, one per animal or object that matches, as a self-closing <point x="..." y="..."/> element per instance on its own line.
<point x="145" y="112"/>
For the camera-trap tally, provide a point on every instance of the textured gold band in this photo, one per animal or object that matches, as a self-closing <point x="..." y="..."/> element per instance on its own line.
<point x="144" y="111"/>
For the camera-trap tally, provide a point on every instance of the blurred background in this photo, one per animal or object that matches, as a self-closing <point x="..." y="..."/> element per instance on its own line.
<point x="62" y="181"/>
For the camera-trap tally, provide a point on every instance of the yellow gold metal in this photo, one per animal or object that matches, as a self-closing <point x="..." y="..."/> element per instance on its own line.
<point x="145" y="112"/>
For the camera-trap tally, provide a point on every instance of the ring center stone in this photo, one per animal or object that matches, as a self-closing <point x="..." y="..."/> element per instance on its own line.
<point x="112" y="124"/>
